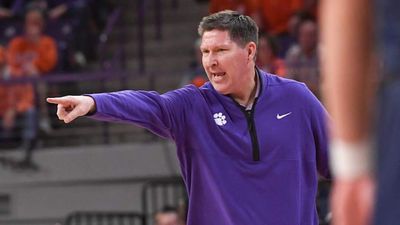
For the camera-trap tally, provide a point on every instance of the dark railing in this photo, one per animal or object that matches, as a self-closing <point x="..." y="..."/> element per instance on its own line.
<point x="104" y="218"/>
<point x="141" y="8"/>
<point x="160" y="193"/>
<point x="58" y="78"/>
<point x="141" y="13"/>
<point x="118" y="57"/>
<point x="158" y="18"/>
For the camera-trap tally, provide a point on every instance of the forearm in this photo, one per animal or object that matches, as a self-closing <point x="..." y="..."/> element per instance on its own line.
<point x="144" y="109"/>
<point x="346" y="37"/>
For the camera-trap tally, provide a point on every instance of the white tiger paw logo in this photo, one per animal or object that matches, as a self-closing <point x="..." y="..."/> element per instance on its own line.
<point x="219" y="119"/>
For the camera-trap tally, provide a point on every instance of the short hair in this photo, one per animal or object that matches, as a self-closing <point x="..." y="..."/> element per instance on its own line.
<point x="167" y="209"/>
<point x="242" y="29"/>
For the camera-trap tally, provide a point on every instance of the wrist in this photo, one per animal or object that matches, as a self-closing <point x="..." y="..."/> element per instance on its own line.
<point x="92" y="109"/>
<point x="350" y="161"/>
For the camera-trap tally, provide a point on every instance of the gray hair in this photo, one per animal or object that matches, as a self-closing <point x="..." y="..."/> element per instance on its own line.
<point x="242" y="29"/>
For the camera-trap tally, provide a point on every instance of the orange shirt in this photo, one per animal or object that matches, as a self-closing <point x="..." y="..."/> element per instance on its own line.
<point x="199" y="81"/>
<point x="219" y="5"/>
<point x="276" y="13"/>
<point x="43" y="55"/>
<point x="277" y="67"/>
<point x="243" y="6"/>
<point x="280" y="68"/>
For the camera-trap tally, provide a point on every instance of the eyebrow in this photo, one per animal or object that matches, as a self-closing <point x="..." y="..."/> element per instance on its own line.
<point x="217" y="46"/>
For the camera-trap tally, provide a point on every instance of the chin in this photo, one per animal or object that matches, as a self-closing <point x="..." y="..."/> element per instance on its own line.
<point x="221" y="89"/>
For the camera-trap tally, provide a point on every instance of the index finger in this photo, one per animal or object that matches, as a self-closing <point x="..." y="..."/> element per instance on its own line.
<point x="59" y="100"/>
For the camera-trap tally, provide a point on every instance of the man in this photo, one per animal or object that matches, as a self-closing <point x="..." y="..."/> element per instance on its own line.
<point x="249" y="143"/>
<point x="267" y="56"/>
<point x="350" y="85"/>
<point x="30" y="55"/>
<point x="302" y="59"/>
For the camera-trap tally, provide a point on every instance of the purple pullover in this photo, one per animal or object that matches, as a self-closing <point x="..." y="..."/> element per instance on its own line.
<point x="257" y="167"/>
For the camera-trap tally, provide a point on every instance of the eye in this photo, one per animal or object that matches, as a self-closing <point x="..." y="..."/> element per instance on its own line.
<point x="205" y="51"/>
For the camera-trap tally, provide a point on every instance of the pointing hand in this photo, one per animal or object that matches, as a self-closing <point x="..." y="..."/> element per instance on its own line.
<point x="71" y="107"/>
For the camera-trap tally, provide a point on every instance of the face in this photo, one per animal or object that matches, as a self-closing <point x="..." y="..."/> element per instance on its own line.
<point x="265" y="53"/>
<point x="226" y="63"/>
<point x="169" y="218"/>
<point x="33" y="24"/>
<point x="308" y="36"/>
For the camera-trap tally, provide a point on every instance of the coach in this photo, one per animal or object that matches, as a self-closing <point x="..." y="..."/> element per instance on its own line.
<point x="250" y="144"/>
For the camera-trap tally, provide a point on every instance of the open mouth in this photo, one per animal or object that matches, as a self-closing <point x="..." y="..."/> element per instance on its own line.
<point x="218" y="76"/>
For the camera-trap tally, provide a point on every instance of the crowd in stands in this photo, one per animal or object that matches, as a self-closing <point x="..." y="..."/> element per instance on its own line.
<point x="38" y="37"/>
<point x="288" y="42"/>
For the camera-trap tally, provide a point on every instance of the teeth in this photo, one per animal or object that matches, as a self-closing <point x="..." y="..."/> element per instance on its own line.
<point x="218" y="74"/>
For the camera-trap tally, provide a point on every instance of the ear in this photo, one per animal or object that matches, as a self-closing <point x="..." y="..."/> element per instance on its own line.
<point x="251" y="51"/>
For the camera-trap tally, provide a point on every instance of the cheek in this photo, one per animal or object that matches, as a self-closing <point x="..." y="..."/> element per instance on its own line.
<point x="238" y="64"/>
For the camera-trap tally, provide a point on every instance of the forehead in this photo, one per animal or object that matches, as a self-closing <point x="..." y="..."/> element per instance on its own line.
<point x="34" y="16"/>
<point x="215" y="38"/>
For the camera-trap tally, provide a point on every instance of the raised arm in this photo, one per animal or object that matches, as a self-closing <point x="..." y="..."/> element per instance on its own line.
<point x="162" y="114"/>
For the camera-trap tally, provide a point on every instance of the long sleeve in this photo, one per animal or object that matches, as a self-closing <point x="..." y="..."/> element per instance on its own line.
<point x="44" y="54"/>
<point x="319" y="123"/>
<point x="14" y="48"/>
<point x="161" y="114"/>
<point x="47" y="57"/>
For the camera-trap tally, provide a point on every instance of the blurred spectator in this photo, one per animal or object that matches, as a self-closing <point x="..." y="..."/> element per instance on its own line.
<point x="248" y="7"/>
<point x="30" y="55"/>
<point x="267" y="58"/>
<point x="196" y="74"/>
<point x="302" y="60"/>
<point x="55" y="9"/>
<point x="278" y="18"/>
<point x="167" y="216"/>
<point x="293" y="30"/>
<point x="276" y="14"/>
<point x="275" y="17"/>
<point x="76" y="24"/>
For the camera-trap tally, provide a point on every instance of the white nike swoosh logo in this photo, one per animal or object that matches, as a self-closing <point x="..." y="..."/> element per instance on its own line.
<point x="282" y="116"/>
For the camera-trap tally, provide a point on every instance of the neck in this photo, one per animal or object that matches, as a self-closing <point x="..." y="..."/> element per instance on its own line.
<point x="248" y="92"/>
<point x="33" y="39"/>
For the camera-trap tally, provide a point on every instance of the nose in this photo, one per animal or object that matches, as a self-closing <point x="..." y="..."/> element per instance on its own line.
<point x="210" y="60"/>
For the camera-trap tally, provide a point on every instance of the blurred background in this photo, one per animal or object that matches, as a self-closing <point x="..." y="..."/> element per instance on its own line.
<point x="97" y="173"/>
